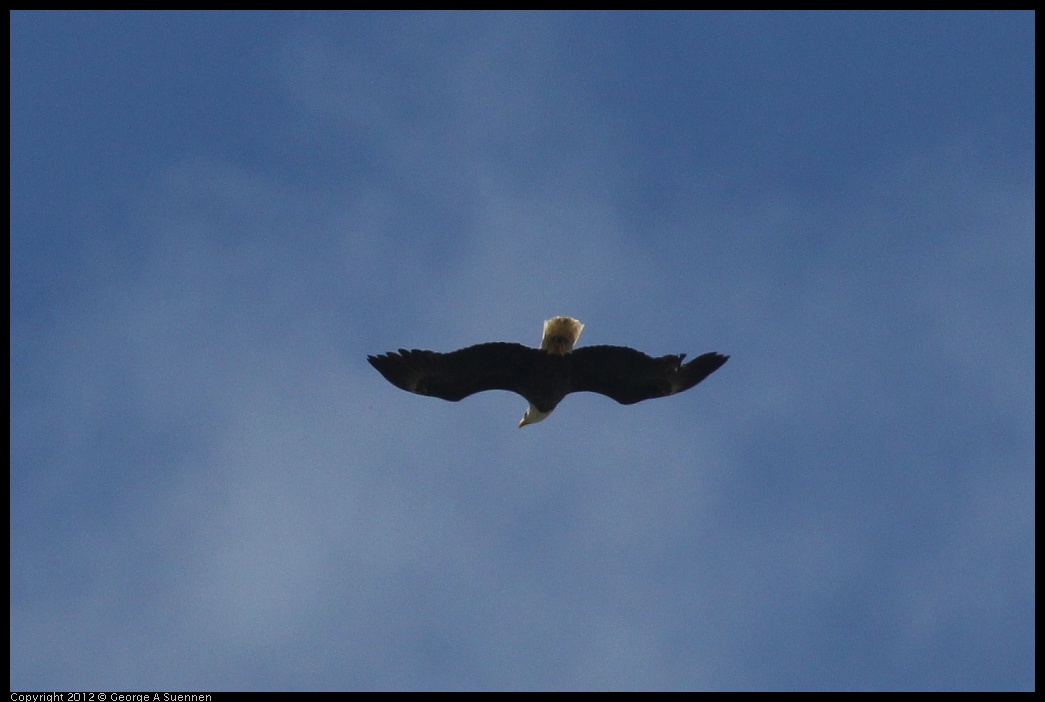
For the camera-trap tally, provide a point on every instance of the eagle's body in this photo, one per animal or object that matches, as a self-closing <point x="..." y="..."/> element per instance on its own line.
<point x="546" y="375"/>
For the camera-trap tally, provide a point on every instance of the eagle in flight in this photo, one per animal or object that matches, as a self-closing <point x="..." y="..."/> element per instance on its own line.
<point x="546" y="375"/>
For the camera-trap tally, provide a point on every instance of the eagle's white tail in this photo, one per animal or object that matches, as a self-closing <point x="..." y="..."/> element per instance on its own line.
<point x="560" y="334"/>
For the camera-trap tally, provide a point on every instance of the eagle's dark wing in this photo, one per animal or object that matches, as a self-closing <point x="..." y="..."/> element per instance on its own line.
<point x="458" y="374"/>
<point x="630" y="376"/>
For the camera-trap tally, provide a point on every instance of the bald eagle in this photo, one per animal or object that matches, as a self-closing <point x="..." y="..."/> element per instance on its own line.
<point x="546" y="375"/>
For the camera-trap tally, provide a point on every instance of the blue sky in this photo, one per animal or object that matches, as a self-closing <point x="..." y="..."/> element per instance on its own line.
<point x="216" y="217"/>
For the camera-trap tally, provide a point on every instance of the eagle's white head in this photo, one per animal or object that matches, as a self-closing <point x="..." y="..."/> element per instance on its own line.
<point x="532" y="416"/>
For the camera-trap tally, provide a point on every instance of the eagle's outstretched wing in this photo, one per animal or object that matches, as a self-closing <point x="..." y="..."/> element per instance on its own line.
<point x="630" y="376"/>
<point x="458" y="374"/>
